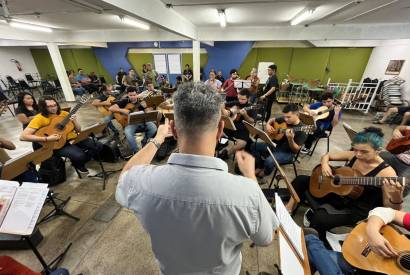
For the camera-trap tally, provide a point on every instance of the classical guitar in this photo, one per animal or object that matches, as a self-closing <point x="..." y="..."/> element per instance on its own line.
<point x="280" y="129"/>
<point x="399" y="145"/>
<point x="346" y="182"/>
<point x="235" y="115"/>
<point x="104" y="109"/>
<point x="123" y="118"/>
<point x="323" y="112"/>
<point x="357" y="252"/>
<point x="61" y="125"/>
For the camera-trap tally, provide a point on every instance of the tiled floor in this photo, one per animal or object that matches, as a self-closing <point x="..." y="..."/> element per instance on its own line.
<point x="119" y="245"/>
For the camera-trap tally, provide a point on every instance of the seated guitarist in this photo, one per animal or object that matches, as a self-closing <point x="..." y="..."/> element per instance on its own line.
<point x="102" y="101"/>
<point x="79" y="153"/>
<point x="322" y="125"/>
<point x="149" y="128"/>
<point x="286" y="147"/>
<point x="400" y="162"/>
<point x="241" y="134"/>
<point x="329" y="262"/>
<point x="333" y="210"/>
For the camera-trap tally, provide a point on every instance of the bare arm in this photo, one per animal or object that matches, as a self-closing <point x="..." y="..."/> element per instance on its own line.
<point x="97" y="102"/>
<point x="116" y="109"/>
<point x="23" y="118"/>
<point x="335" y="120"/>
<point x="7" y="144"/>
<point x="28" y="134"/>
<point x="336" y="156"/>
<point x="392" y="190"/>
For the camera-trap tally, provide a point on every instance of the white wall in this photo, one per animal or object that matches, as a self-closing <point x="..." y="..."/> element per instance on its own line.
<point x="380" y="58"/>
<point x="23" y="55"/>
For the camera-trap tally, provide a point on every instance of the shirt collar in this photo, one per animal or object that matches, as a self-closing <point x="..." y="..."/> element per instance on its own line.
<point x="198" y="161"/>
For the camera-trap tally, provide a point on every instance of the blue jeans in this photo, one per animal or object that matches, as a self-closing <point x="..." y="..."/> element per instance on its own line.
<point x="148" y="128"/>
<point x="327" y="262"/>
<point x="260" y="151"/>
<point x="110" y="125"/>
<point x="60" y="271"/>
<point x="79" y="91"/>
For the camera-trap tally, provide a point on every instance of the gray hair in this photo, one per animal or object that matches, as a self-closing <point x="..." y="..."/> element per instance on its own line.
<point x="197" y="108"/>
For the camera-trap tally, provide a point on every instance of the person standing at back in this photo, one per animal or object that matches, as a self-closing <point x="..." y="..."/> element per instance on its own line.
<point x="229" y="88"/>
<point x="197" y="214"/>
<point x="270" y="90"/>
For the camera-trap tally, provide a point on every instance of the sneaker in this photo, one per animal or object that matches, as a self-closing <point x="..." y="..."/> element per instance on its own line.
<point x="305" y="151"/>
<point x="307" y="216"/>
<point x="82" y="170"/>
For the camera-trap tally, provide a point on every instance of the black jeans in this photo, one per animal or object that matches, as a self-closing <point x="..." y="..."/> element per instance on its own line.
<point x="80" y="153"/>
<point x="268" y="108"/>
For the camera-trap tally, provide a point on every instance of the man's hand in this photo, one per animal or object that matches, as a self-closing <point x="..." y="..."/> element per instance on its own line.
<point x="73" y="117"/>
<point x="263" y="97"/>
<point x="53" y="137"/>
<point x="326" y="170"/>
<point x="243" y="112"/>
<point x="246" y="163"/>
<point x="290" y="134"/>
<point x="164" y="130"/>
<point x="337" y="109"/>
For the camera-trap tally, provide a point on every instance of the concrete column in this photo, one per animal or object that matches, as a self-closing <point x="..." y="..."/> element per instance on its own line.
<point x="196" y="59"/>
<point x="60" y="70"/>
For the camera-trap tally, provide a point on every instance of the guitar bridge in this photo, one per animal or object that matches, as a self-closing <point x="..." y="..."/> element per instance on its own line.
<point x="366" y="251"/>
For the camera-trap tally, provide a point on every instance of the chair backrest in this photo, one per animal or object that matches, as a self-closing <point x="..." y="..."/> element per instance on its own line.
<point x="11" y="80"/>
<point x="102" y="79"/>
<point x="57" y="83"/>
<point x="29" y="77"/>
<point x="23" y="84"/>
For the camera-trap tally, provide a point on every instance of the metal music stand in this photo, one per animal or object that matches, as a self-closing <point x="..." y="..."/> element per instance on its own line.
<point x="257" y="133"/>
<point x="92" y="132"/>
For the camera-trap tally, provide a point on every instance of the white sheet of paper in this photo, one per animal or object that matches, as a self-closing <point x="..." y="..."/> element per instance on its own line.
<point x="160" y="63"/>
<point x="289" y="263"/>
<point x="335" y="239"/>
<point x="292" y="230"/>
<point x="174" y="63"/>
<point x="24" y="209"/>
<point x="7" y="191"/>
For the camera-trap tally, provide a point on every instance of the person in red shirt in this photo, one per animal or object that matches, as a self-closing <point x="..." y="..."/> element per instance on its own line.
<point x="228" y="87"/>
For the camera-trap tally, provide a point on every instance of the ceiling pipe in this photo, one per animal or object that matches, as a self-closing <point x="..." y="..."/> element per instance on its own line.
<point x="370" y="11"/>
<point x="337" y="11"/>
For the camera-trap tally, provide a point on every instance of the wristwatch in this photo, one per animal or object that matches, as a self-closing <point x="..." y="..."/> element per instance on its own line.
<point x="156" y="143"/>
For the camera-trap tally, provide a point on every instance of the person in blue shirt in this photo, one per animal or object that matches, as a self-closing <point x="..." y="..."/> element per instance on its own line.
<point x="325" y="124"/>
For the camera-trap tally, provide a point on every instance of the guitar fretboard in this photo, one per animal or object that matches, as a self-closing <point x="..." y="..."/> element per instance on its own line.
<point x="369" y="181"/>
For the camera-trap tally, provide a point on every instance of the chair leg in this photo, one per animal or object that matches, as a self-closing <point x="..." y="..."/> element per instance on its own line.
<point x="328" y="144"/>
<point x="314" y="147"/>
<point x="273" y="178"/>
<point x="294" y="169"/>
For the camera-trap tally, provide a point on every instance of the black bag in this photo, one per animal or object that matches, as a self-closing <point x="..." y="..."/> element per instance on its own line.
<point x="110" y="151"/>
<point x="166" y="148"/>
<point x="52" y="171"/>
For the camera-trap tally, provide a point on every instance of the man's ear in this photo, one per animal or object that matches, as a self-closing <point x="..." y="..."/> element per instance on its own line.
<point x="173" y="129"/>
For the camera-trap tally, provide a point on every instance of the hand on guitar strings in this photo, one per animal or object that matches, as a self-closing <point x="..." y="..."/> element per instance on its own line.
<point x="53" y="137"/>
<point x="394" y="189"/>
<point x="379" y="245"/>
<point x="73" y="117"/>
<point x="246" y="164"/>
<point x="327" y="170"/>
<point x="290" y="134"/>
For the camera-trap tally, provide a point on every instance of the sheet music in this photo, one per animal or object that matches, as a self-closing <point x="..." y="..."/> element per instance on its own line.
<point x="289" y="263"/>
<point x="174" y="63"/>
<point x="292" y="230"/>
<point x="7" y="191"/>
<point x="25" y="209"/>
<point x="160" y="63"/>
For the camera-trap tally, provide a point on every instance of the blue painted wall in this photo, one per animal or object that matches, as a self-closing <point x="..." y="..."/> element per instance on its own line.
<point x="223" y="56"/>
<point x="226" y="56"/>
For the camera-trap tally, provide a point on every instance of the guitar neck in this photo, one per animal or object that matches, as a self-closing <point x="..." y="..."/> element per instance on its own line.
<point x="369" y="181"/>
<point x="71" y="113"/>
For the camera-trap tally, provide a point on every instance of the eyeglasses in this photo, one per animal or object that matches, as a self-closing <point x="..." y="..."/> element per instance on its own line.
<point x="52" y="106"/>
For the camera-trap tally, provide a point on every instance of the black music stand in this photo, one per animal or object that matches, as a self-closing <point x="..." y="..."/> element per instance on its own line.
<point x="92" y="132"/>
<point x="257" y="133"/>
<point x="142" y="118"/>
<point x="16" y="166"/>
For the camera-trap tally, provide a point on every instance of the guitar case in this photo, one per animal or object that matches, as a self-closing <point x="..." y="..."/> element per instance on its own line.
<point x="110" y="151"/>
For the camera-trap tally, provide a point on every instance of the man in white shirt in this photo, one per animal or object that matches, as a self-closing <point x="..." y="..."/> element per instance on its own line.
<point x="197" y="214"/>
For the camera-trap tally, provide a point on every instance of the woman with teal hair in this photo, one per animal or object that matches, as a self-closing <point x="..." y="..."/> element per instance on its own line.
<point x="333" y="210"/>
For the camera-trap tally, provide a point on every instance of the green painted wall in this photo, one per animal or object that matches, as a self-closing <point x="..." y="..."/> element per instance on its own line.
<point x="187" y="59"/>
<point x="73" y="59"/>
<point x="311" y="63"/>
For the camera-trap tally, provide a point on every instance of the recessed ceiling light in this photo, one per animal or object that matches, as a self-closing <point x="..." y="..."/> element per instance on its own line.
<point x="222" y="18"/>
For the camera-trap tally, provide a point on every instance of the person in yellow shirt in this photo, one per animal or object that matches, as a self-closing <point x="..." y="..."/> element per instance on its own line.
<point x="79" y="153"/>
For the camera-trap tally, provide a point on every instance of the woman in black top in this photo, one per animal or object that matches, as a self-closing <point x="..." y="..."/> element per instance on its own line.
<point x="333" y="210"/>
<point x="26" y="109"/>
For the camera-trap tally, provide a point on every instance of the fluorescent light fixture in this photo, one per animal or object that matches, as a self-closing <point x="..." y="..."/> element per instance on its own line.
<point x="222" y="18"/>
<point x="134" y="23"/>
<point x="302" y="16"/>
<point x="31" y="27"/>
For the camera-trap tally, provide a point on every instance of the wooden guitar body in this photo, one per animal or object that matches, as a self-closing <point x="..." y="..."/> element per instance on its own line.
<point x="279" y="131"/>
<point x="104" y="109"/>
<point x="399" y="145"/>
<point x="321" y="186"/>
<point x="121" y="118"/>
<point x="356" y="251"/>
<point x="322" y="113"/>
<point x="55" y="128"/>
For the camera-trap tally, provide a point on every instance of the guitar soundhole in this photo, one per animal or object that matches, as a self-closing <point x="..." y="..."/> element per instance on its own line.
<point x="336" y="180"/>
<point x="404" y="261"/>
<point x="59" y="127"/>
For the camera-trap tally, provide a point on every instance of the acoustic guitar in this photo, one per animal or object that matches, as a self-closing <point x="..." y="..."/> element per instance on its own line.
<point x="323" y="112"/>
<point x="61" y="125"/>
<point x="399" y="145"/>
<point x="357" y="252"/>
<point x="280" y="129"/>
<point x="235" y="115"/>
<point x="122" y="118"/>
<point x="104" y="109"/>
<point x="346" y="182"/>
